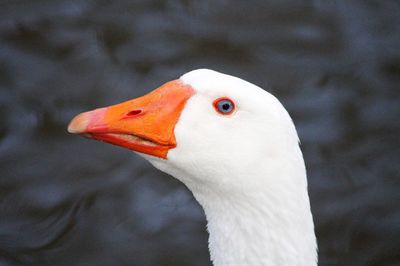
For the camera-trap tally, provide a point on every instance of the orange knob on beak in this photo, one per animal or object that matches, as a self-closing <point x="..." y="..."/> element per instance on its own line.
<point x="145" y="124"/>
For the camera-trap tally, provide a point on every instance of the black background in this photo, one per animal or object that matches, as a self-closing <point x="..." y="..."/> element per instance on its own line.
<point x="65" y="200"/>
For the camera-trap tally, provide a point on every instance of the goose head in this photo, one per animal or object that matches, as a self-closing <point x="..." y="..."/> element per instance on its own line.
<point x="235" y="147"/>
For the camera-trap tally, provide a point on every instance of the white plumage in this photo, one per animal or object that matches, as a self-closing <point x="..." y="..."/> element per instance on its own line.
<point x="247" y="172"/>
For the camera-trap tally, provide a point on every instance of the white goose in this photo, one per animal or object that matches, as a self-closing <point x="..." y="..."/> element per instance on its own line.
<point x="236" y="148"/>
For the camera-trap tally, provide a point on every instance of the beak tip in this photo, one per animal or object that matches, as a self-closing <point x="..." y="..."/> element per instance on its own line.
<point x="78" y="124"/>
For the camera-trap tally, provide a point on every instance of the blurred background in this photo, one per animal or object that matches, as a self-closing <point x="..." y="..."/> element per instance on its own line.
<point x="65" y="200"/>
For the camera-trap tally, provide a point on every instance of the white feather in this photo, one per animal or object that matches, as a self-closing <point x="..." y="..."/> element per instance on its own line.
<point x="247" y="172"/>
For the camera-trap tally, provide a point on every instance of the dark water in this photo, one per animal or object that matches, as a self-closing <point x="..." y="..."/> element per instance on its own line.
<point x="68" y="201"/>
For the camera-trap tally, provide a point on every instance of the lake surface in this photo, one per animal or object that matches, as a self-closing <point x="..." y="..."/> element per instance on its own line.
<point x="65" y="200"/>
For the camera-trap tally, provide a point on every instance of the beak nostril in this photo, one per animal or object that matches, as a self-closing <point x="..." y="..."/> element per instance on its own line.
<point x="133" y="113"/>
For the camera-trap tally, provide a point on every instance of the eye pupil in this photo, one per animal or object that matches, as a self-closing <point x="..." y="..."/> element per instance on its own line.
<point x="224" y="106"/>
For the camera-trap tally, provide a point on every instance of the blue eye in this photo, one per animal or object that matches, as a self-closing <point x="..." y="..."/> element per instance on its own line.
<point x="224" y="106"/>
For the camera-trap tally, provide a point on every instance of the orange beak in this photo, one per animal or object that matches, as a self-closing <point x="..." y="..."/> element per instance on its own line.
<point x="145" y="124"/>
